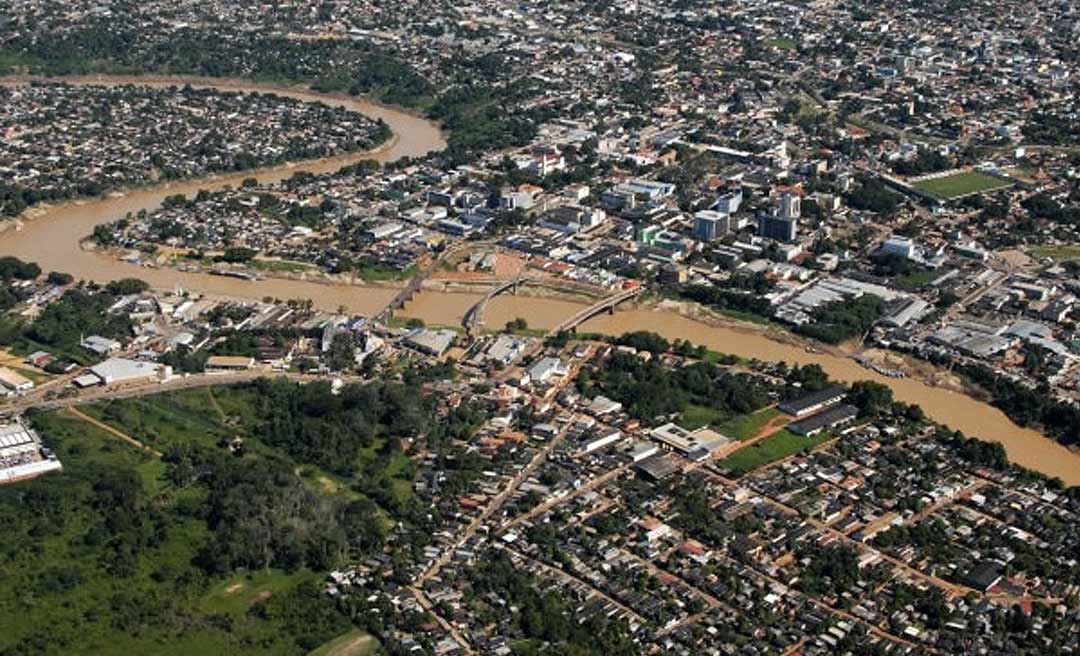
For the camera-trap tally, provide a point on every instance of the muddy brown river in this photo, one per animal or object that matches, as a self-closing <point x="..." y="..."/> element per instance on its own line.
<point x="958" y="411"/>
<point x="51" y="238"/>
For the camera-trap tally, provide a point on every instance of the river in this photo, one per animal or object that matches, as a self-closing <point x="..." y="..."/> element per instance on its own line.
<point x="955" y="410"/>
<point x="51" y="238"/>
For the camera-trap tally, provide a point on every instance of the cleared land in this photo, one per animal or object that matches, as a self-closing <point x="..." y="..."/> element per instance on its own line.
<point x="960" y="184"/>
<point x="773" y="448"/>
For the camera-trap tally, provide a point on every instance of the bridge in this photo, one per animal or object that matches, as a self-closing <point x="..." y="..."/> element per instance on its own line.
<point x="605" y="305"/>
<point x="475" y="315"/>
<point x="414" y="285"/>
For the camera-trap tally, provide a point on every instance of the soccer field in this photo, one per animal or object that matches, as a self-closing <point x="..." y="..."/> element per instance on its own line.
<point x="960" y="184"/>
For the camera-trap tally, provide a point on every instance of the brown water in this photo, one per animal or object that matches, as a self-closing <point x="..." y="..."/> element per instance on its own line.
<point x="52" y="240"/>
<point x="958" y="411"/>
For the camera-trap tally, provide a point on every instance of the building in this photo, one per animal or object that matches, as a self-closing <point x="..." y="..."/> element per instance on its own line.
<point x="729" y="203"/>
<point x="899" y="247"/>
<point x="21" y="454"/>
<point x="505" y="349"/>
<point x="695" y="445"/>
<point x="710" y="225"/>
<point x="777" y="227"/>
<point x="808" y="404"/>
<point x="100" y="345"/>
<point x="605" y="439"/>
<point x="571" y="220"/>
<point x="834" y="417"/>
<point x="658" y="466"/>
<point x="431" y="342"/>
<point x="118" y="371"/>
<point x="229" y="363"/>
<point x="546" y="369"/>
<point x="790" y="206"/>
<point x="15" y="381"/>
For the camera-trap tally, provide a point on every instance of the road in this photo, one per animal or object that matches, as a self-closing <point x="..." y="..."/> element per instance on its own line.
<point x="39" y="398"/>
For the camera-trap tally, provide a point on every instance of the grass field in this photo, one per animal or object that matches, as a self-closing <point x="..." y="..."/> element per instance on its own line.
<point x="1059" y="252"/>
<point x="698" y="416"/>
<point x="353" y="643"/>
<point x="960" y="184"/>
<point x="783" y="43"/>
<point x="237" y="594"/>
<point x="744" y="427"/>
<point x="773" y="448"/>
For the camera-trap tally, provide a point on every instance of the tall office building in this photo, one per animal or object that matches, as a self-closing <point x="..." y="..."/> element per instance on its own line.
<point x="710" y="225"/>
<point x="783" y="225"/>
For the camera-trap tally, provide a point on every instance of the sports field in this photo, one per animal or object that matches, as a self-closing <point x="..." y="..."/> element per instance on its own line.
<point x="960" y="184"/>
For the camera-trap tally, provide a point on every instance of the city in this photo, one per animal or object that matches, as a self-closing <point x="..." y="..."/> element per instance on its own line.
<point x="515" y="328"/>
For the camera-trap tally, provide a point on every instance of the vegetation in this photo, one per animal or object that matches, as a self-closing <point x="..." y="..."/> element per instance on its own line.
<point x="101" y="559"/>
<point x="744" y="427"/>
<point x="653" y="392"/>
<point x="840" y="321"/>
<point x="546" y="622"/>
<point x="775" y="447"/>
<point x="961" y="184"/>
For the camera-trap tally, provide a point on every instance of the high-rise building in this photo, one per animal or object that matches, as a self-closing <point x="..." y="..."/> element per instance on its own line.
<point x="790" y="206"/>
<point x="710" y="225"/>
<point x="777" y="227"/>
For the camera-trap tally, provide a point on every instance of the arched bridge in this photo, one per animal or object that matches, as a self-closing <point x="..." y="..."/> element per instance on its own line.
<point x="475" y="315"/>
<point x="605" y="305"/>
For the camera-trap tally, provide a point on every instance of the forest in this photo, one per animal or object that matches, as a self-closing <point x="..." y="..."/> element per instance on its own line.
<point x="262" y="487"/>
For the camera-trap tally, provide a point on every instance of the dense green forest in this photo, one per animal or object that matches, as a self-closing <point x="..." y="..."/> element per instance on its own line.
<point x="652" y="392"/>
<point x="843" y="320"/>
<point x="100" y="560"/>
<point x="218" y="546"/>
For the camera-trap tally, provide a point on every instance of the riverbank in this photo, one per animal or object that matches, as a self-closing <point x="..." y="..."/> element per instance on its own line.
<point x="52" y="240"/>
<point x="952" y="406"/>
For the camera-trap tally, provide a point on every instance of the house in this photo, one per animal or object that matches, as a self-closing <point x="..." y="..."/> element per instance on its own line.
<point x="14" y="381"/>
<point x="546" y="369"/>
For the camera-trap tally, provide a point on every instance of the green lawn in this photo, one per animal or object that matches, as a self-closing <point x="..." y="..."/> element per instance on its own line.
<point x="282" y="266"/>
<point x="382" y="273"/>
<point x="744" y="427"/>
<point x="166" y="420"/>
<point x="961" y="184"/>
<point x="783" y="43"/>
<point x="698" y="416"/>
<point x="236" y="594"/>
<point x="917" y="279"/>
<point x="771" y="449"/>
<point x="353" y="643"/>
<point x="1059" y="252"/>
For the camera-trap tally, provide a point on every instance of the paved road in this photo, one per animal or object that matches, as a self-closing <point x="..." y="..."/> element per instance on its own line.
<point x="38" y="398"/>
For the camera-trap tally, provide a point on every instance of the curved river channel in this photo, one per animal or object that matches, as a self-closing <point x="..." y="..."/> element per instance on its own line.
<point x="50" y="236"/>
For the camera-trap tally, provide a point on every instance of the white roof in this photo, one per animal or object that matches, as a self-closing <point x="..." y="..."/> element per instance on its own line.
<point x="116" y="370"/>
